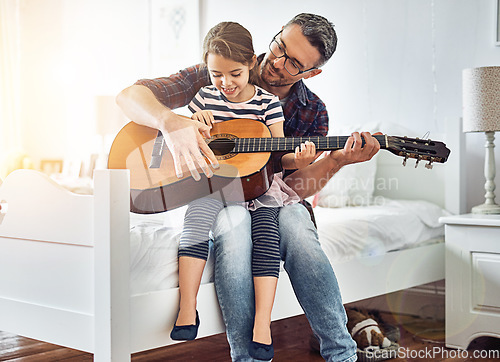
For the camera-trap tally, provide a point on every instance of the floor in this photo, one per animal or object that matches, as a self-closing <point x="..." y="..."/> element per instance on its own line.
<point x="420" y="340"/>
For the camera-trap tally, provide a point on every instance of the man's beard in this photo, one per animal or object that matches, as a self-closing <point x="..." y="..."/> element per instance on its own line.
<point x="267" y="78"/>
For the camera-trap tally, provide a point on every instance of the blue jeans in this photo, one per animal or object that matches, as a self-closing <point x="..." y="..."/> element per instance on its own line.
<point x="309" y="269"/>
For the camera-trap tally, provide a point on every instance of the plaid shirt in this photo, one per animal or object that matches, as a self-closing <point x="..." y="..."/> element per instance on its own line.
<point x="305" y="114"/>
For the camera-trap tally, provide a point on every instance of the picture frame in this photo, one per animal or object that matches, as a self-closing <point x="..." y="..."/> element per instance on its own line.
<point x="51" y="166"/>
<point x="174" y="39"/>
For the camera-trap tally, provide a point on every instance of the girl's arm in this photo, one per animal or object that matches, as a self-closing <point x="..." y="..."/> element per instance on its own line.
<point x="302" y="157"/>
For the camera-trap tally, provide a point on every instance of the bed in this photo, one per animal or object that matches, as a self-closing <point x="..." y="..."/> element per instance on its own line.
<point x="82" y="271"/>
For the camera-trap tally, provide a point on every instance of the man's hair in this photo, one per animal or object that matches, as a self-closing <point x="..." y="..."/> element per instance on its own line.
<point x="320" y="33"/>
<point x="230" y="40"/>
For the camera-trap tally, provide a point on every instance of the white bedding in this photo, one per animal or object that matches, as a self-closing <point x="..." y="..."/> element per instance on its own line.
<point x="345" y="233"/>
<point x="350" y="232"/>
<point x="154" y="241"/>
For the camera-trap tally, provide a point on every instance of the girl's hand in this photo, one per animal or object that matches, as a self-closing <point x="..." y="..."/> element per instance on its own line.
<point x="205" y="117"/>
<point x="305" y="154"/>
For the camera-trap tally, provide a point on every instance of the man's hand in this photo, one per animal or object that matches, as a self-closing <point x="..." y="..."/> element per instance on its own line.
<point x="185" y="142"/>
<point x="354" y="152"/>
<point x="181" y="134"/>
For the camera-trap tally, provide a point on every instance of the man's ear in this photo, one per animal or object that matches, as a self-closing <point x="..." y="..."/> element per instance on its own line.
<point x="312" y="73"/>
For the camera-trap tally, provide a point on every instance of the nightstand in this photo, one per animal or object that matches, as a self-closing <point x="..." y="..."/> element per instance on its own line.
<point x="472" y="278"/>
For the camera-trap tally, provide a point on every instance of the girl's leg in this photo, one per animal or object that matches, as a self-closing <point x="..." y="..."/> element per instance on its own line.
<point x="193" y="252"/>
<point x="265" y="269"/>
<point x="265" y="288"/>
<point x="190" y="272"/>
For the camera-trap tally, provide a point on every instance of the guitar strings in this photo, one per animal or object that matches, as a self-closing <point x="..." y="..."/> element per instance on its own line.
<point x="288" y="143"/>
<point x="285" y="140"/>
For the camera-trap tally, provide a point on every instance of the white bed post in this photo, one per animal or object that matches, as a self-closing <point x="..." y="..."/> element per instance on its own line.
<point x="455" y="170"/>
<point x="112" y="260"/>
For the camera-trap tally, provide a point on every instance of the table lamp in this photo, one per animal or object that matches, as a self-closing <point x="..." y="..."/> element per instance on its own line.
<point x="481" y="113"/>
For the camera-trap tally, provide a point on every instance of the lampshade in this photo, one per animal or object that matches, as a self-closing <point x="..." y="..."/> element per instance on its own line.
<point x="481" y="99"/>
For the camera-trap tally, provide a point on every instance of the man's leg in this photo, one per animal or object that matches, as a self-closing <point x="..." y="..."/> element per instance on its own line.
<point x="314" y="283"/>
<point x="233" y="277"/>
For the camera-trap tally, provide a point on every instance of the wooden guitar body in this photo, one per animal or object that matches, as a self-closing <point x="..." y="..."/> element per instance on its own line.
<point x="241" y="176"/>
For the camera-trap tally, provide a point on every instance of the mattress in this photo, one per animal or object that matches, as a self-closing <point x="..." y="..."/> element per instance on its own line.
<point x="344" y="233"/>
<point x="351" y="232"/>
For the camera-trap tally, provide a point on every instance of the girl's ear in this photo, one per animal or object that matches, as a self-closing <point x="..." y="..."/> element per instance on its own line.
<point x="253" y="62"/>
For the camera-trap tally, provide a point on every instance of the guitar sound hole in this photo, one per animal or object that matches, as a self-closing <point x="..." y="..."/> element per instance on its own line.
<point x="221" y="146"/>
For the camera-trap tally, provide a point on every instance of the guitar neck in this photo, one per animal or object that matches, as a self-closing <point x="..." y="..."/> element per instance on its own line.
<point x="288" y="144"/>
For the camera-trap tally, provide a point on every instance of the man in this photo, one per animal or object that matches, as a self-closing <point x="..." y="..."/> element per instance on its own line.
<point x="295" y="53"/>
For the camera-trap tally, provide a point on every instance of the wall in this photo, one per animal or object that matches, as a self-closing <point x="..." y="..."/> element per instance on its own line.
<point x="72" y="51"/>
<point x="397" y="60"/>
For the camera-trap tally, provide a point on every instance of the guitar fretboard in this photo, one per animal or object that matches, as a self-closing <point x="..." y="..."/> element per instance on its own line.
<point x="286" y="144"/>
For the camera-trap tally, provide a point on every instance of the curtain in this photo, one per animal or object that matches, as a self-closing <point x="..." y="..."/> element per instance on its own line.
<point x="10" y="123"/>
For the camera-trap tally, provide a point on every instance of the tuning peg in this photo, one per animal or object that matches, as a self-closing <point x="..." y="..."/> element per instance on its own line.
<point x="418" y="160"/>
<point x="404" y="161"/>
<point x="429" y="165"/>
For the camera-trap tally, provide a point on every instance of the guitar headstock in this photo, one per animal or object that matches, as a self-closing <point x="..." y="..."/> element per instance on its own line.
<point x="419" y="149"/>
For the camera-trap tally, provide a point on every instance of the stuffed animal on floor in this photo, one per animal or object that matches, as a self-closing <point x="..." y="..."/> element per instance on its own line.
<point x="366" y="331"/>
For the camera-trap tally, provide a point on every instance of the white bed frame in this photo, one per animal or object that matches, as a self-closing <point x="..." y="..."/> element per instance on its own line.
<point x="64" y="267"/>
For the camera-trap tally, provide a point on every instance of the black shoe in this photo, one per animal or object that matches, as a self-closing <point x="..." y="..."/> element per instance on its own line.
<point x="185" y="333"/>
<point x="260" y="351"/>
<point x="314" y="343"/>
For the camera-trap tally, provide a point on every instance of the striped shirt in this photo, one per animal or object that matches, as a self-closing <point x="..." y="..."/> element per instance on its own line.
<point x="263" y="106"/>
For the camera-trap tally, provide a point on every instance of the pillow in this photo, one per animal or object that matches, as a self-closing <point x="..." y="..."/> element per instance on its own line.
<point x="352" y="185"/>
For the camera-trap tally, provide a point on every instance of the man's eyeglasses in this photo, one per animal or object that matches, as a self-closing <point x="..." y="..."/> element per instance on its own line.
<point x="291" y="67"/>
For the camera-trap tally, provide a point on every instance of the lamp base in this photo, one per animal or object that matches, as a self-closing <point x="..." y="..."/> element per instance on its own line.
<point x="486" y="209"/>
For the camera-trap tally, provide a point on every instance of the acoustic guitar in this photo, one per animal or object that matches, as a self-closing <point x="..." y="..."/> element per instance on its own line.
<point x="248" y="158"/>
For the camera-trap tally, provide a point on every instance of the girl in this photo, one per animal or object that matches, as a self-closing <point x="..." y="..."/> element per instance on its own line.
<point x="229" y="56"/>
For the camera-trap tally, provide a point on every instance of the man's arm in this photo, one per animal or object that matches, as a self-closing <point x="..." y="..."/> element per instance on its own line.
<point x="311" y="179"/>
<point x="182" y="136"/>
